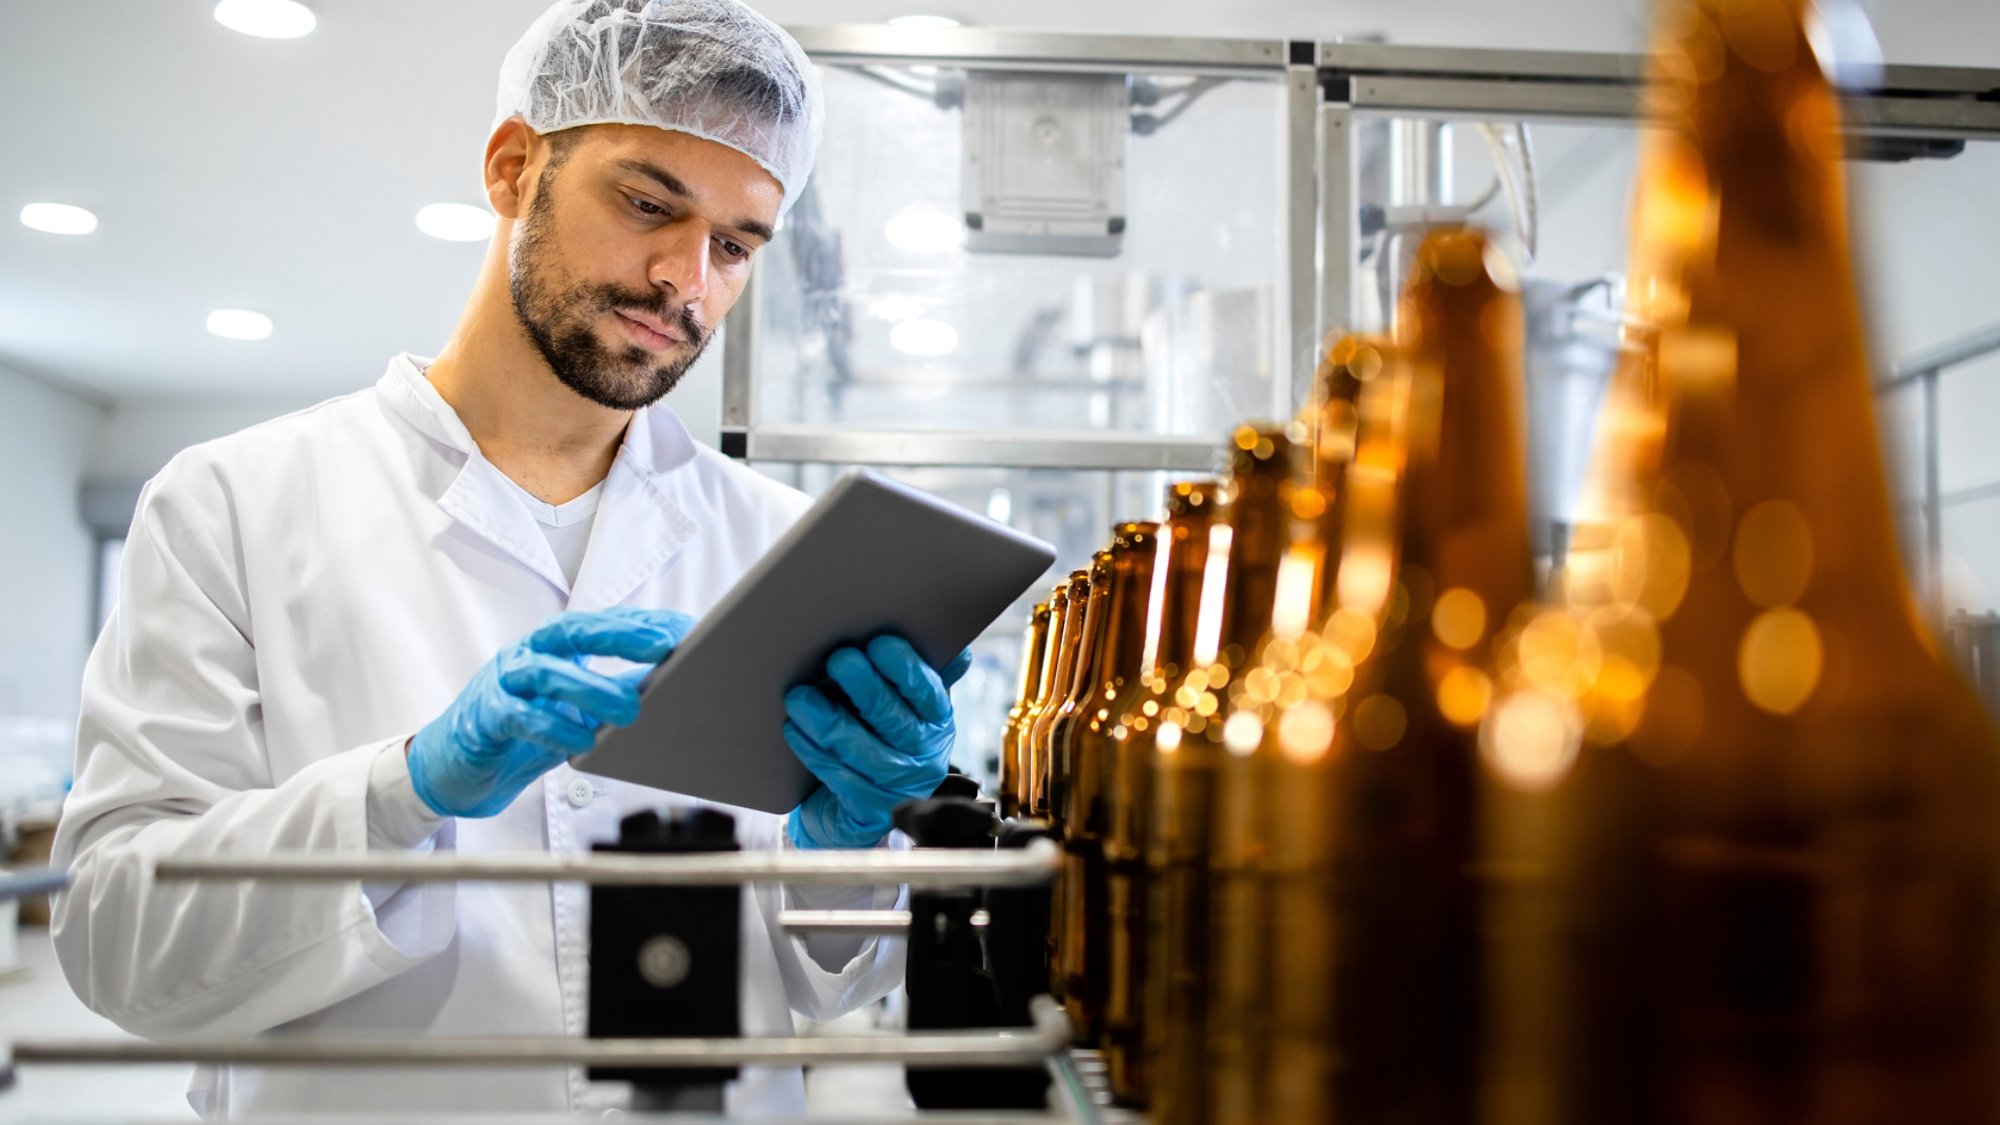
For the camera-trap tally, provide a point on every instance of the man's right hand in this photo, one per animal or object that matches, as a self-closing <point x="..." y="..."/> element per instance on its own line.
<point x="534" y="705"/>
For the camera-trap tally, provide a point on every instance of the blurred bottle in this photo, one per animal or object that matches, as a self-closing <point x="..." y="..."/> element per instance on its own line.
<point x="1777" y="861"/>
<point x="1239" y="1005"/>
<point x="1407" y="988"/>
<point x="1238" y="594"/>
<point x="1033" y="651"/>
<point x="1096" y="617"/>
<point x="1075" y="600"/>
<point x="1131" y="859"/>
<point x="1114" y="679"/>
<point x="1293" y="1051"/>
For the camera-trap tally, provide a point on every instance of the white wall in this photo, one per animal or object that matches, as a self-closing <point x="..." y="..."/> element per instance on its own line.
<point x="47" y="568"/>
<point x="139" y="435"/>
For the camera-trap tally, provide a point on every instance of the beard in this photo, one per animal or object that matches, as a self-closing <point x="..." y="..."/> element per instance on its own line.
<point x="560" y="315"/>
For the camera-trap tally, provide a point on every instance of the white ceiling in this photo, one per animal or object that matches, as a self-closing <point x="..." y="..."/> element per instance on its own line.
<point x="284" y="176"/>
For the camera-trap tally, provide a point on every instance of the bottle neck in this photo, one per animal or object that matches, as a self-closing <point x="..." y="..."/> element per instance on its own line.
<point x="1259" y="533"/>
<point x="1089" y="665"/>
<point x="1031" y="663"/>
<point x="1125" y="627"/>
<point x="1074" y="634"/>
<point x="1062" y="627"/>
<point x="1462" y="501"/>
<point x="1187" y="543"/>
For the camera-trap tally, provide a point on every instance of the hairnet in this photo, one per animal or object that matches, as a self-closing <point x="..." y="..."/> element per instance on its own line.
<point x="710" y="68"/>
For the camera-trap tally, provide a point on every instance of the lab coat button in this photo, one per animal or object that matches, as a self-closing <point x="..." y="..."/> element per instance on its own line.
<point x="580" y="792"/>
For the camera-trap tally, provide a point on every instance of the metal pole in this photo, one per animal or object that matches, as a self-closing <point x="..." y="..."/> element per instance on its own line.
<point x="1933" y="503"/>
<point x="1299" y="146"/>
<point x="923" y="867"/>
<point x="1339" y="213"/>
<point x="739" y="369"/>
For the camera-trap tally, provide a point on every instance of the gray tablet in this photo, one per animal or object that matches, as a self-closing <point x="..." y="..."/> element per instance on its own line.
<point x="872" y="556"/>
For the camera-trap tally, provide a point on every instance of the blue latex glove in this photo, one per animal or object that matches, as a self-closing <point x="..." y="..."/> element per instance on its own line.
<point x="893" y="743"/>
<point x="534" y="705"/>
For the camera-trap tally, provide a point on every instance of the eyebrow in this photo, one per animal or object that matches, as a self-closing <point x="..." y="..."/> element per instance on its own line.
<point x="674" y="186"/>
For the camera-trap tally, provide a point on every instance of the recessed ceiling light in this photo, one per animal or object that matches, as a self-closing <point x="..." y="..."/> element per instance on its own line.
<point x="923" y="337"/>
<point x="921" y="228"/>
<point x="266" y="19"/>
<point x="239" y="324"/>
<point x="456" y="222"/>
<point x="923" y="21"/>
<point x="58" y="218"/>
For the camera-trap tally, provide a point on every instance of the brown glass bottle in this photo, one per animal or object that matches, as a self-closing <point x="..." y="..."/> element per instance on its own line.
<point x="1034" y="645"/>
<point x="1239" y="1004"/>
<point x="1408" y="981"/>
<point x="1115" y="678"/>
<point x="1167" y="652"/>
<point x="1292" y="1051"/>
<point x="1055" y="749"/>
<point x="1061" y="676"/>
<point x="1069" y="713"/>
<point x="1052" y="647"/>
<point x="1237" y="600"/>
<point x="1777" y="887"/>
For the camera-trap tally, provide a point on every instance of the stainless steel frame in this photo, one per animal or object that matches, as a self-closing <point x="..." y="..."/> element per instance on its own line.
<point x="1471" y="84"/>
<point x="1326" y="87"/>
<point x="1272" y="60"/>
<point x="921" y="867"/>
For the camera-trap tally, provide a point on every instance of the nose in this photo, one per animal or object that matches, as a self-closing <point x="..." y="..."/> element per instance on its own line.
<point x="680" y="262"/>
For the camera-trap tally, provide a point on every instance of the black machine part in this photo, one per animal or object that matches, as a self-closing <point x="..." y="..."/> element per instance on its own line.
<point x="951" y="977"/>
<point x="665" y="960"/>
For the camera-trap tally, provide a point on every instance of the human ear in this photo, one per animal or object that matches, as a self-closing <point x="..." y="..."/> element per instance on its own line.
<point x="510" y="153"/>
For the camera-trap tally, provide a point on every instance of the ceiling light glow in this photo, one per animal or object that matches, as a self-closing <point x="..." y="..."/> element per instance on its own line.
<point x="923" y="337"/>
<point x="58" y="218"/>
<point x="927" y="22"/>
<point x="456" y="222"/>
<point x="266" y="19"/>
<point x="923" y="229"/>
<point x="239" y="324"/>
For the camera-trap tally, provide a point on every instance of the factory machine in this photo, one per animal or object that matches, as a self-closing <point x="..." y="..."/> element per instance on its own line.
<point x="1046" y="275"/>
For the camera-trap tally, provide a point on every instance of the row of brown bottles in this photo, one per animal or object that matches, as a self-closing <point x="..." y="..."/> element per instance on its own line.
<point x="1365" y="831"/>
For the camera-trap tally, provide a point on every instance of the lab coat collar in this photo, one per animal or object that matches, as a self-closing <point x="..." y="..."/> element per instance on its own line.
<point x="638" y="526"/>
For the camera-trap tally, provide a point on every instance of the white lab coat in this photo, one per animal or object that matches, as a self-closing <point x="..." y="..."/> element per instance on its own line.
<point x="296" y="600"/>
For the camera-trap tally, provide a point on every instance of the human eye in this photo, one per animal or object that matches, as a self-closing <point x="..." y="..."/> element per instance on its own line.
<point x="732" y="250"/>
<point x="646" y="207"/>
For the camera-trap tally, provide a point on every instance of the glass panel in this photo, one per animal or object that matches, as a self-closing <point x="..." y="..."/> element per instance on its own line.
<point x="875" y="312"/>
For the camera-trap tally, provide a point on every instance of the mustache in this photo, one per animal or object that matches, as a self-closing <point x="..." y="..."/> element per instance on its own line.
<point x="614" y="299"/>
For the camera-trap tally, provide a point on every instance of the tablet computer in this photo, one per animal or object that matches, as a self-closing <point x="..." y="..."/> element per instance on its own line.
<point x="872" y="556"/>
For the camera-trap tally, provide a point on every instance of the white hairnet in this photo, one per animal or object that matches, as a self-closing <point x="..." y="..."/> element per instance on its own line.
<point x="710" y="68"/>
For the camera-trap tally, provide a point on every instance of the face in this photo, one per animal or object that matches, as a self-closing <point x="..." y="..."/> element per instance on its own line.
<point x="634" y="244"/>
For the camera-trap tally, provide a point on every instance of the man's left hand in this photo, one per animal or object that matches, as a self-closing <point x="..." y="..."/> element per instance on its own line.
<point x="890" y="741"/>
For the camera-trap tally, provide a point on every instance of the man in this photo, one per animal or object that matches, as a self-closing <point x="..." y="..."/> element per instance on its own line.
<point x="303" y="656"/>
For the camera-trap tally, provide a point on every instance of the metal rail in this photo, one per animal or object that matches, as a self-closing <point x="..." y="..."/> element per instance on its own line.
<point x="20" y="884"/>
<point x="886" y="923"/>
<point x="1036" y="50"/>
<point x="996" y="1048"/>
<point x="1033" y="449"/>
<point x="923" y="867"/>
